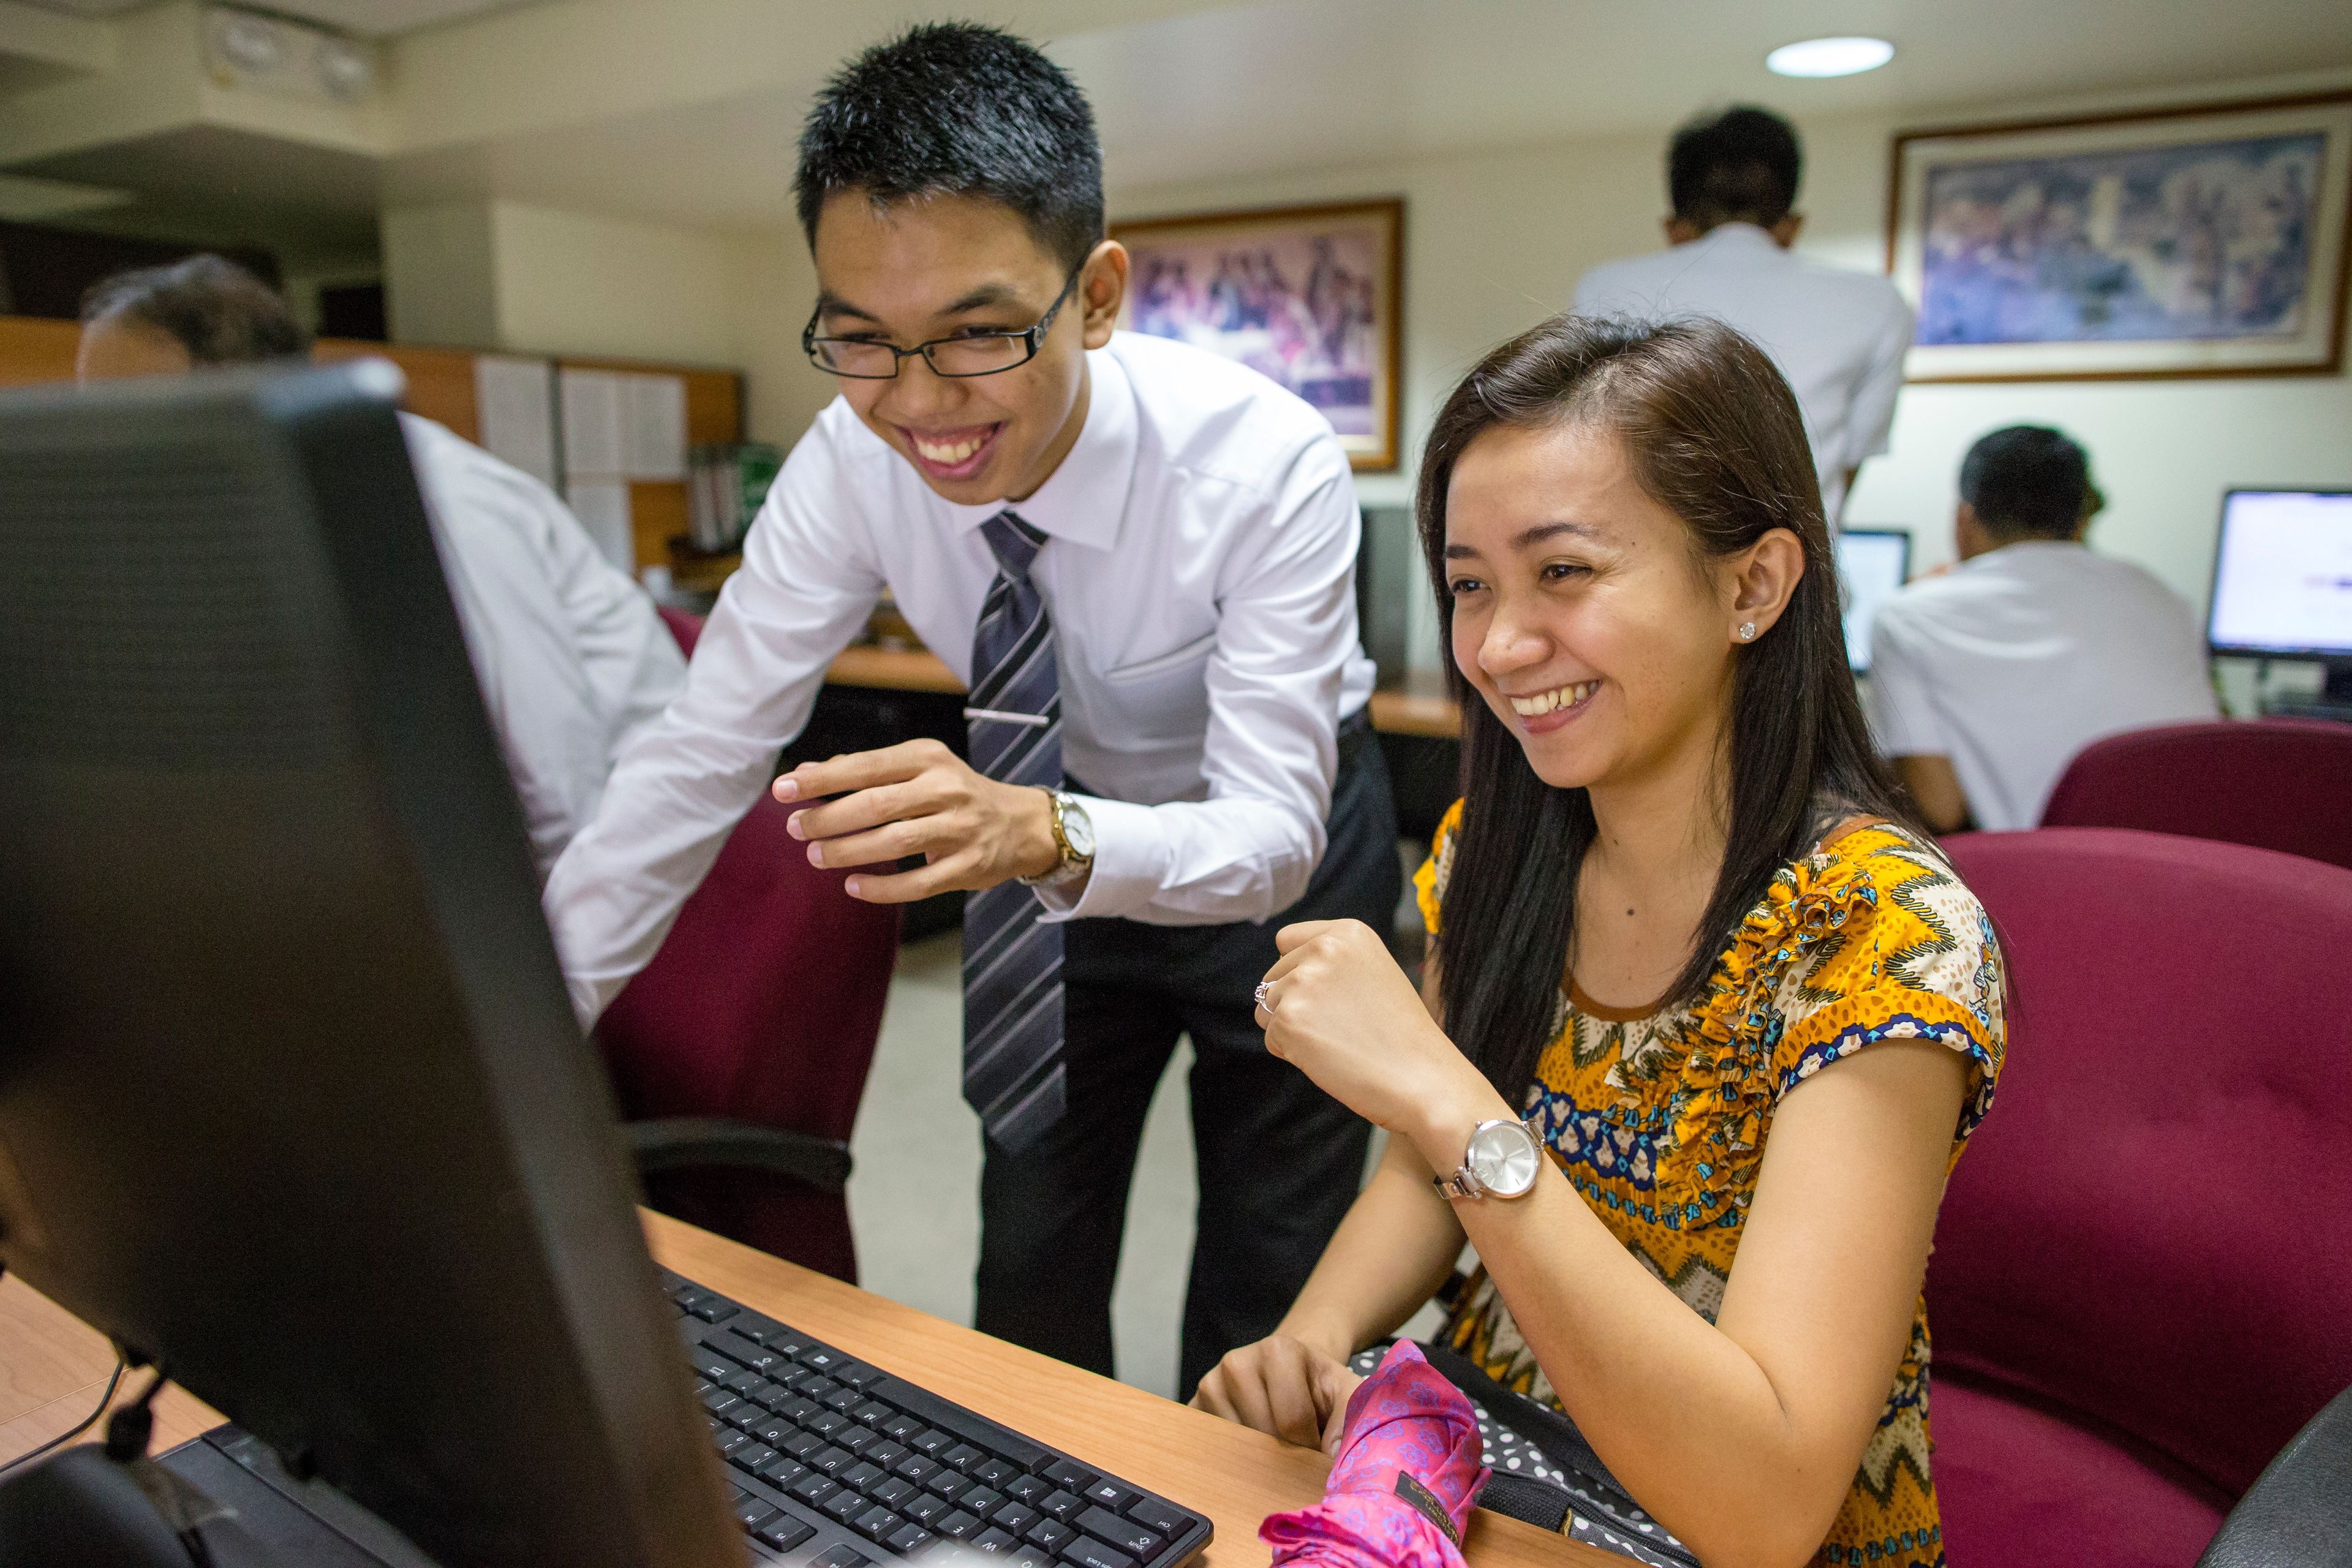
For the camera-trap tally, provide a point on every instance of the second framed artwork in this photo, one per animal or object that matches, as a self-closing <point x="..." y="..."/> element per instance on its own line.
<point x="1311" y="297"/>
<point x="2196" y="241"/>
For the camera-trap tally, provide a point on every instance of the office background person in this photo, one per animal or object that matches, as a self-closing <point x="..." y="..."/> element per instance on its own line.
<point x="1987" y="680"/>
<point x="1838" y="336"/>
<point x="570" y="657"/>
<point x="1139" y="557"/>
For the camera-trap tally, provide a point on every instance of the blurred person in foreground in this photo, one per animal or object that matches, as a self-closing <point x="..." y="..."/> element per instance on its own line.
<point x="1987" y="679"/>
<point x="1838" y="336"/>
<point x="570" y="654"/>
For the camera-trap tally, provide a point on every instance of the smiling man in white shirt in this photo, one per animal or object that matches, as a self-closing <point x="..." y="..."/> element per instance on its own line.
<point x="1838" y="336"/>
<point x="1140" y="559"/>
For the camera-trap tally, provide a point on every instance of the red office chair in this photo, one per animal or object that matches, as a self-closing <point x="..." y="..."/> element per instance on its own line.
<point x="741" y="1052"/>
<point x="2141" y="1268"/>
<point x="2276" y="784"/>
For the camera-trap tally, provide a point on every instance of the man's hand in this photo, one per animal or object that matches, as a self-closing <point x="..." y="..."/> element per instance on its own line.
<point x="919" y="798"/>
<point x="1285" y="1387"/>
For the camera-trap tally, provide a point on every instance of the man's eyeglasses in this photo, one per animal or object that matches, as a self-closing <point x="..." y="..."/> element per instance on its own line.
<point x="965" y="354"/>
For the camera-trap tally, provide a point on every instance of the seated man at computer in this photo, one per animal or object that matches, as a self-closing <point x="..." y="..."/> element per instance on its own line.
<point x="1986" y="681"/>
<point x="570" y="656"/>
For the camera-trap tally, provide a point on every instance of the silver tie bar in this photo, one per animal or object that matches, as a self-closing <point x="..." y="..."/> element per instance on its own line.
<point x="995" y="715"/>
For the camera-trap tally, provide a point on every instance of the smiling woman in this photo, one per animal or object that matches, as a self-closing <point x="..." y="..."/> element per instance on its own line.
<point x="1687" y="944"/>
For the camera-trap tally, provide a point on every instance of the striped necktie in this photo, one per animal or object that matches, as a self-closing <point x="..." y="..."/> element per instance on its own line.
<point x="1013" y="962"/>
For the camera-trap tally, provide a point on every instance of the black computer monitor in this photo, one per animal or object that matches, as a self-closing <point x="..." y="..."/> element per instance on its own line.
<point x="1871" y="563"/>
<point x="2283" y="580"/>
<point x="291" y="1099"/>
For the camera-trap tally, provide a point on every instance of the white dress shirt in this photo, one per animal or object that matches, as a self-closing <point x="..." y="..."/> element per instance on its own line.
<point x="2010" y="663"/>
<point x="1199" y="570"/>
<point x="570" y="656"/>
<point x="1838" y="336"/>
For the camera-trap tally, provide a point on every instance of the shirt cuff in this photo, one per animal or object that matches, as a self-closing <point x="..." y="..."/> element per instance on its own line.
<point x="1131" y="859"/>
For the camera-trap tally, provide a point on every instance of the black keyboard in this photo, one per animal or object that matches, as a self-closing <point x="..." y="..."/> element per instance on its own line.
<point x="836" y="1464"/>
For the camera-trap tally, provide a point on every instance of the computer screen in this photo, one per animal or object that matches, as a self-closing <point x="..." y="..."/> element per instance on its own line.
<point x="2283" y="574"/>
<point x="1871" y="563"/>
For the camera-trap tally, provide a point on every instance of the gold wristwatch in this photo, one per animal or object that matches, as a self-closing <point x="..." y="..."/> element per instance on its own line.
<point x="1073" y="837"/>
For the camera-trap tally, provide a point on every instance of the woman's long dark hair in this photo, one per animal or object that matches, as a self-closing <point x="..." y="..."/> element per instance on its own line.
<point x="1713" y="435"/>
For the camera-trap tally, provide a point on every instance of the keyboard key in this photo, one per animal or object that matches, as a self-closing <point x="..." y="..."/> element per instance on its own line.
<point x="862" y="1476"/>
<point x="803" y="1444"/>
<point x="976" y="1430"/>
<point x="885" y="1453"/>
<point x="767" y="1395"/>
<point x="993" y="1540"/>
<point x="856" y="1439"/>
<point x="816" y="1388"/>
<point x="949" y="1485"/>
<point x="842" y="1398"/>
<point x="1061" y="1505"/>
<point x="750" y="1457"/>
<point x="1026" y="1556"/>
<point x="783" y="1533"/>
<point x="1123" y="1533"/>
<point x="755" y="1513"/>
<point x="839" y="1557"/>
<point x="931" y="1442"/>
<point x="782" y="1471"/>
<point x="878" y="1523"/>
<point x="1153" y="1514"/>
<point x="1052" y="1534"/>
<point x="738" y="1348"/>
<point x="813" y="1488"/>
<point x="719" y="1400"/>
<point x="983" y="1502"/>
<point x="844" y="1505"/>
<point x="832" y="1461"/>
<point x="901" y="1427"/>
<point x="742" y="1380"/>
<point x="796" y="1378"/>
<point x="994" y="1471"/>
<point x="1028" y="1489"/>
<point x="893" y="1491"/>
<point x="1086" y="1552"/>
<point x="1071" y="1476"/>
<point x="872" y="1412"/>
<point x="1111" y="1495"/>
<point x="800" y="1411"/>
<point x="909" y="1539"/>
<point x="711" y="1364"/>
<point x="821" y="1359"/>
<point x="916" y="1468"/>
<point x="959" y="1526"/>
<point x="731" y="1439"/>
<point x="766" y="1332"/>
<point x="1016" y="1517"/>
<point x="774" y="1431"/>
<point x="963" y="1457"/>
<point x="857" y="1374"/>
<point x="927" y="1508"/>
<point x="826" y="1422"/>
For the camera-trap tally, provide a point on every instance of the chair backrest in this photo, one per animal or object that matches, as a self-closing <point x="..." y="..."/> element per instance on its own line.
<point x="2276" y="784"/>
<point x="2153" y="1227"/>
<point x="764" y="1006"/>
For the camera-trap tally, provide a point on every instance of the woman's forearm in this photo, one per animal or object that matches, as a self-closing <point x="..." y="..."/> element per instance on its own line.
<point x="1390" y="1254"/>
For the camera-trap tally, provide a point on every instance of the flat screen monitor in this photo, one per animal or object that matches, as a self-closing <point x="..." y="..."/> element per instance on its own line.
<point x="1871" y="563"/>
<point x="2282" y="575"/>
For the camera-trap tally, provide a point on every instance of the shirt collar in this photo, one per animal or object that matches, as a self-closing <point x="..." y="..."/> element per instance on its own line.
<point x="1085" y="498"/>
<point x="1736" y="236"/>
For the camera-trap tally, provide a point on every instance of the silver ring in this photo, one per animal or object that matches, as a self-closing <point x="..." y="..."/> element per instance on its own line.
<point x="1264" y="994"/>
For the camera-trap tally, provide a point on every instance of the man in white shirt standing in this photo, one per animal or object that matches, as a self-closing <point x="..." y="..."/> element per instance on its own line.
<point x="1986" y="681"/>
<point x="1838" y="336"/>
<point x="1139" y="557"/>
<point x="570" y="656"/>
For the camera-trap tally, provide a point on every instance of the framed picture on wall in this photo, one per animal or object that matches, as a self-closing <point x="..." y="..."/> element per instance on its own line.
<point x="2205" y="241"/>
<point x="1310" y="296"/>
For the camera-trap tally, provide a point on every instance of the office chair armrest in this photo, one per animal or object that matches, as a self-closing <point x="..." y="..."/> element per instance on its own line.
<point x="2298" y="1514"/>
<point x="696" y="1143"/>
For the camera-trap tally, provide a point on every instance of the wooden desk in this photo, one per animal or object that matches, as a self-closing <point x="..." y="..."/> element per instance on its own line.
<point x="51" y="1368"/>
<point x="1416" y="708"/>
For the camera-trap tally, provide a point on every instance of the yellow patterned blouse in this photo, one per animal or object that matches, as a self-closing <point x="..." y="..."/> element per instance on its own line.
<point x="1659" y="1118"/>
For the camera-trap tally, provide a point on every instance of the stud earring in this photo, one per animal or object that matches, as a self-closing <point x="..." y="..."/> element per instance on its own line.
<point x="1747" y="630"/>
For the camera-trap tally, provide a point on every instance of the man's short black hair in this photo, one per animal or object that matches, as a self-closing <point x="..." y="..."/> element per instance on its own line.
<point x="959" y="109"/>
<point x="220" y="313"/>
<point x="1738" y="166"/>
<point x="2027" y="479"/>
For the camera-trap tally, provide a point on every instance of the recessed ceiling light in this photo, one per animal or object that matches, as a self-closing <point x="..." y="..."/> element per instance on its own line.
<point x="1829" y="57"/>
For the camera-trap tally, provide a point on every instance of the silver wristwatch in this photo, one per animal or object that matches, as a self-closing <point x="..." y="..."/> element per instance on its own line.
<point x="1501" y="1162"/>
<point x="1074" y="836"/>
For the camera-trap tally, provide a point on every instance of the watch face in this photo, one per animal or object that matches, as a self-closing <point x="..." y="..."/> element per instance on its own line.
<point x="1077" y="828"/>
<point x="1503" y="1157"/>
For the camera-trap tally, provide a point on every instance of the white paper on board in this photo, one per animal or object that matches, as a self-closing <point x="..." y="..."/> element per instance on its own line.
<point x="593" y="446"/>
<point x="602" y="508"/>
<point x="654" y="419"/>
<point x="514" y="400"/>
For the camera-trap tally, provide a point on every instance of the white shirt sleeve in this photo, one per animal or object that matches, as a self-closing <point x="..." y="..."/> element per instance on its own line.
<point x="685" y="779"/>
<point x="1870" y="422"/>
<point x="1284" y="633"/>
<point x="1901" y="706"/>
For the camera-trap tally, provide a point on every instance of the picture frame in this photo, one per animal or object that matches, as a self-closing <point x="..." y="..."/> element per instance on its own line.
<point x="2205" y="240"/>
<point x="1310" y="296"/>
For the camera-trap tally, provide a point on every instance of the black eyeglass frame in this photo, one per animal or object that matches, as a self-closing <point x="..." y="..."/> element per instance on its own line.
<point x="1032" y="338"/>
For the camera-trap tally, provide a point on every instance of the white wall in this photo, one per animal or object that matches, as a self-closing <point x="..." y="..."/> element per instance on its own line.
<point x="1496" y="240"/>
